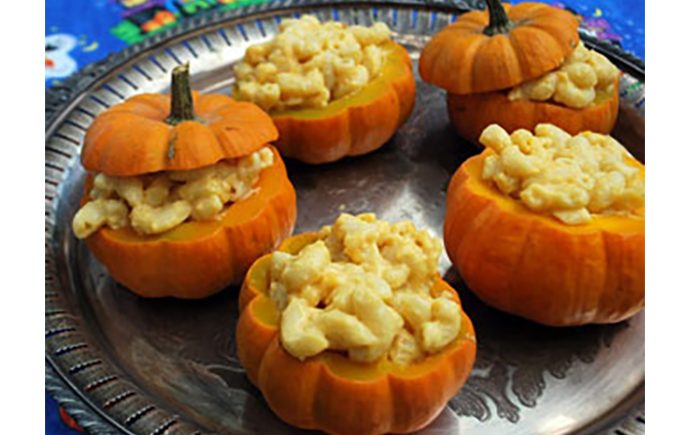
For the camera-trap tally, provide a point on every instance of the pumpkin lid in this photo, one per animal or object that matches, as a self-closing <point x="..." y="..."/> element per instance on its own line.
<point x="156" y="132"/>
<point x="498" y="48"/>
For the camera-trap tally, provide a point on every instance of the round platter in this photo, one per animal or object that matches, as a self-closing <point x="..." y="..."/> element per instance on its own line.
<point x="122" y="364"/>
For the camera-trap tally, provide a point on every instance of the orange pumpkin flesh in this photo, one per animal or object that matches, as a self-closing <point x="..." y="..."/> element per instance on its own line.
<point x="352" y="125"/>
<point x="330" y="392"/>
<point x="471" y="114"/>
<point x="477" y="53"/>
<point x="532" y="265"/>
<point x="197" y="259"/>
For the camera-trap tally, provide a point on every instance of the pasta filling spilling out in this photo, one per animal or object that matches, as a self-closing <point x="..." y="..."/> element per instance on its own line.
<point x="569" y="177"/>
<point x="156" y="203"/>
<point x="364" y="288"/>
<point x="575" y="84"/>
<point x="309" y="64"/>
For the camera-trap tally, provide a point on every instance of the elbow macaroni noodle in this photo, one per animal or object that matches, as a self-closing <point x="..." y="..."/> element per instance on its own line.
<point x="364" y="288"/>
<point x="155" y="203"/>
<point x="309" y="64"/>
<point x="574" y="84"/>
<point x="567" y="176"/>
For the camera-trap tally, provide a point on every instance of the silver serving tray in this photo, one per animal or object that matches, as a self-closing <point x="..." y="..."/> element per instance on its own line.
<point x="120" y="363"/>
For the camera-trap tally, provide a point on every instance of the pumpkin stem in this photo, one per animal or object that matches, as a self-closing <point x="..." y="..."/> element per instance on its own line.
<point x="181" y="104"/>
<point x="498" y="19"/>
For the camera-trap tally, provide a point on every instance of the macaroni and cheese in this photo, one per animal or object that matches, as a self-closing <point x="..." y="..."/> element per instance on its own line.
<point x="575" y="83"/>
<point x="155" y="203"/>
<point x="364" y="287"/>
<point x="567" y="176"/>
<point x="309" y="64"/>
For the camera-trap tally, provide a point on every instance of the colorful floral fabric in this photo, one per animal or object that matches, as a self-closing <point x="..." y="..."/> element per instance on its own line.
<point x="79" y="32"/>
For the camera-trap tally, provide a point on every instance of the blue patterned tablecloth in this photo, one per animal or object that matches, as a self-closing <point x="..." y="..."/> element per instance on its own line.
<point x="79" y="32"/>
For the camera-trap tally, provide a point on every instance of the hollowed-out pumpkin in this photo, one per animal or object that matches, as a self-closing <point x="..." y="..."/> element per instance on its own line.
<point x="197" y="258"/>
<point x="534" y="266"/>
<point x="483" y="54"/>
<point x="329" y="392"/>
<point x="356" y="124"/>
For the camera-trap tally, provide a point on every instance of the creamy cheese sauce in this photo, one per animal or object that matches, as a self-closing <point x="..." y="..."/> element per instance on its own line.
<point x="364" y="288"/>
<point x="156" y="203"/>
<point x="575" y="83"/>
<point x="308" y="64"/>
<point x="569" y="177"/>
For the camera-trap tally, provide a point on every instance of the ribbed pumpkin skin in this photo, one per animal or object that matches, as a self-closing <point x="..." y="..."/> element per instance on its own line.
<point x="536" y="267"/>
<point x="197" y="259"/>
<point x="471" y="114"/>
<point x="333" y="394"/>
<point x="132" y="138"/>
<point x="354" y="125"/>
<point x="463" y="60"/>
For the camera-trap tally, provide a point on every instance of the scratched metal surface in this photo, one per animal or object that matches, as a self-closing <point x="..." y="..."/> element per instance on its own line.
<point x="127" y="364"/>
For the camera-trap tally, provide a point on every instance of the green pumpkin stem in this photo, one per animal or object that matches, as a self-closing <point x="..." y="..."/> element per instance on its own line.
<point x="181" y="104"/>
<point x="498" y="19"/>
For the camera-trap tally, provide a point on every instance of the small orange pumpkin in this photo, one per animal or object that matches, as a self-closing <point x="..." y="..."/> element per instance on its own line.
<point x="354" y="125"/>
<point x="194" y="259"/>
<point x="533" y="266"/>
<point x="478" y="58"/>
<point x="329" y="392"/>
<point x="485" y="51"/>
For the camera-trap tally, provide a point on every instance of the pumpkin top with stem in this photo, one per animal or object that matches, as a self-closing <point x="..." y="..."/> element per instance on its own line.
<point x="184" y="130"/>
<point x="499" y="23"/>
<point x="181" y="103"/>
<point x="498" y="48"/>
